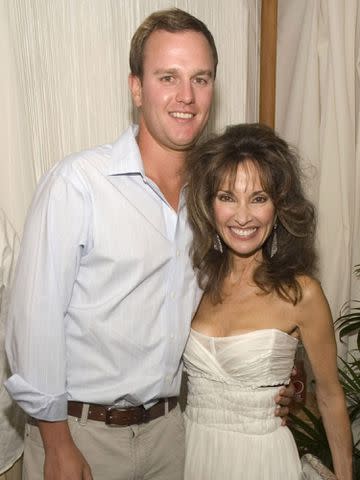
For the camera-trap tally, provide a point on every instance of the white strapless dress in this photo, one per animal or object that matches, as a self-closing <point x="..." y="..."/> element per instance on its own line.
<point x="231" y="430"/>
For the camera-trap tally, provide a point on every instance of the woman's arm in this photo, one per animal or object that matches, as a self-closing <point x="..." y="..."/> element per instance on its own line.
<point x="317" y="333"/>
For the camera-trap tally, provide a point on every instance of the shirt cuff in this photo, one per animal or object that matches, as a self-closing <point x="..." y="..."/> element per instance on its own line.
<point x="42" y="406"/>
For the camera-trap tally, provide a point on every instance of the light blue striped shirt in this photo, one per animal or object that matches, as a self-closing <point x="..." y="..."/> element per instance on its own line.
<point x="104" y="290"/>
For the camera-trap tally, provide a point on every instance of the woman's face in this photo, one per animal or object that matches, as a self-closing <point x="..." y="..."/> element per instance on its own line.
<point x="244" y="213"/>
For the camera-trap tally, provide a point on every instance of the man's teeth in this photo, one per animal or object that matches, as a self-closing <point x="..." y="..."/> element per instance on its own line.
<point x="181" y="115"/>
<point x="243" y="232"/>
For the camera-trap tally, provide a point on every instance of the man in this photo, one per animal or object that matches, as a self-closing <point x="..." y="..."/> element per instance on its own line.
<point x="105" y="292"/>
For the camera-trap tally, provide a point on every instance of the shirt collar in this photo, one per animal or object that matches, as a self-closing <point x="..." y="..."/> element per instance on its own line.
<point x="125" y="156"/>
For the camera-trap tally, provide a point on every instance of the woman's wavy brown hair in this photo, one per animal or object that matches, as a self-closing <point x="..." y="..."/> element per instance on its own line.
<point x="215" y="161"/>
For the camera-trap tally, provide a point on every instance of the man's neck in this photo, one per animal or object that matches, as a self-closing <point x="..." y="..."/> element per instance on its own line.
<point x="164" y="167"/>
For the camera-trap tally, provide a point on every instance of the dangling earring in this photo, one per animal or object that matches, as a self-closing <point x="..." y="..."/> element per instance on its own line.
<point x="274" y="243"/>
<point x="217" y="244"/>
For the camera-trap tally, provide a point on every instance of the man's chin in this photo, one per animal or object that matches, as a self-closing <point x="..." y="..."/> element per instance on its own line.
<point x="185" y="144"/>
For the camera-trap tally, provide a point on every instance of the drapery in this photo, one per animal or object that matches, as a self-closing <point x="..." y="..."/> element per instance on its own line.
<point x="318" y="75"/>
<point x="17" y="177"/>
<point x="64" y="78"/>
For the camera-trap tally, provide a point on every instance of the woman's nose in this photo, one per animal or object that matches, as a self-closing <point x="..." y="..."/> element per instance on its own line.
<point x="243" y="215"/>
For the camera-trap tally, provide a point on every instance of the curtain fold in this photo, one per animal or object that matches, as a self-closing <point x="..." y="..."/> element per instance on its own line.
<point x="318" y="111"/>
<point x="17" y="176"/>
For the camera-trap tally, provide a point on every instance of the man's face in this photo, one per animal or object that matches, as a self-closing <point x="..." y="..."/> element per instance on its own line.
<point x="175" y="93"/>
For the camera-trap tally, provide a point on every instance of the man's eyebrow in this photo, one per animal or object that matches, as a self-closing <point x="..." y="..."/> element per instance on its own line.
<point x="173" y="71"/>
<point x="209" y="73"/>
<point x="166" y="71"/>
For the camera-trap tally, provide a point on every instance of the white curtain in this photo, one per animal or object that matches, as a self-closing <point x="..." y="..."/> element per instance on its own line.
<point x="17" y="178"/>
<point x="318" y="75"/>
<point x="63" y="84"/>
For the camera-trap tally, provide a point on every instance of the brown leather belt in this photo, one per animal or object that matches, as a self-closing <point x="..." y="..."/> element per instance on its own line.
<point x="124" y="417"/>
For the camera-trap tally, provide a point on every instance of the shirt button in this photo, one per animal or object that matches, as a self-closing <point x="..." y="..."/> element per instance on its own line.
<point x="172" y="336"/>
<point x="172" y="295"/>
<point x="178" y="253"/>
<point x="168" y="379"/>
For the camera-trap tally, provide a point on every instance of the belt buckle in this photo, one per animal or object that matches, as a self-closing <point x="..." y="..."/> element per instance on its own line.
<point x="108" y="416"/>
<point x="143" y="417"/>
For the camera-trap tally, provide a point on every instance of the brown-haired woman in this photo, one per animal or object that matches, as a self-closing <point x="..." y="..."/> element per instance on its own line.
<point x="253" y="249"/>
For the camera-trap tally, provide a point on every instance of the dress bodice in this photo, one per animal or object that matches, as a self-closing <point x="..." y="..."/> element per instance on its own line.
<point x="232" y="381"/>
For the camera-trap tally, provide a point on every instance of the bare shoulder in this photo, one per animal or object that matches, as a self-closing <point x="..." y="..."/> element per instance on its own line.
<point x="313" y="299"/>
<point x="311" y="289"/>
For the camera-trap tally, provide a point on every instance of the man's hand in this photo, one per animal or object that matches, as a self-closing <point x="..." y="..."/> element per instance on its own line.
<point x="63" y="460"/>
<point x="66" y="463"/>
<point x="283" y="399"/>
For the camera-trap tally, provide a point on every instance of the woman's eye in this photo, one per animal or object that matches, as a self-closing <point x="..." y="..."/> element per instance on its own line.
<point x="260" y="199"/>
<point x="224" y="197"/>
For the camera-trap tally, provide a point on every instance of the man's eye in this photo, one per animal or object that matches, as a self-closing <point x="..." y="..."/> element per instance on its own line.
<point x="167" y="78"/>
<point x="201" y="81"/>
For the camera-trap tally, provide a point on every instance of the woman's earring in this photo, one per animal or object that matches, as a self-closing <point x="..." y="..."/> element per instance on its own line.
<point x="217" y="244"/>
<point x="274" y="243"/>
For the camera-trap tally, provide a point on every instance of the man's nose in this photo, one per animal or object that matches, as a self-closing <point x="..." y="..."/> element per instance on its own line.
<point x="185" y="93"/>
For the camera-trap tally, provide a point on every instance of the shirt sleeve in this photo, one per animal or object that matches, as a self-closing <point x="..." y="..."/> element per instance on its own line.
<point x="55" y="236"/>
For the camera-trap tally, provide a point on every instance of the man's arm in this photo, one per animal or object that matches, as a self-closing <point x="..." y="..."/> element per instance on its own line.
<point x="46" y="271"/>
<point x="50" y="254"/>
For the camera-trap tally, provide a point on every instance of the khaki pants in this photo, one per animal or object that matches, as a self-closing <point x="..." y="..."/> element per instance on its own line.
<point x="14" y="473"/>
<point x="153" y="450"/>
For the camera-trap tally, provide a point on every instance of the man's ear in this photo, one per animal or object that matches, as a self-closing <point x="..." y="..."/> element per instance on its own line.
<point x="135" y="89"/>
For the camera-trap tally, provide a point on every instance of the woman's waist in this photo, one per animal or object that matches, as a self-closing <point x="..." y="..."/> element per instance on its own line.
<point x="244" y="410"/>
<point x="205" y="392"/>
<point x="251" y="421"/>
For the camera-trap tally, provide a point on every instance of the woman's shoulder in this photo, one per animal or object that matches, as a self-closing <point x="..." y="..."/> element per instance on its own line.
<point x="310" y="286"/>
<point x="313" y="297"/>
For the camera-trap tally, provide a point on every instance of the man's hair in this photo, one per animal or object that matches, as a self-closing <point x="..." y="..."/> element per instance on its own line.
<point x="172" y="20"/>
<point x="216" y="161"/>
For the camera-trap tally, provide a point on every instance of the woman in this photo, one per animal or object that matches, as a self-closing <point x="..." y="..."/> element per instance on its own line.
<point x="253" y="250"/>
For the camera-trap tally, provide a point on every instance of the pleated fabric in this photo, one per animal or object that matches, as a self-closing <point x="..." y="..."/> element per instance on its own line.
<point x="231" y="430"/>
